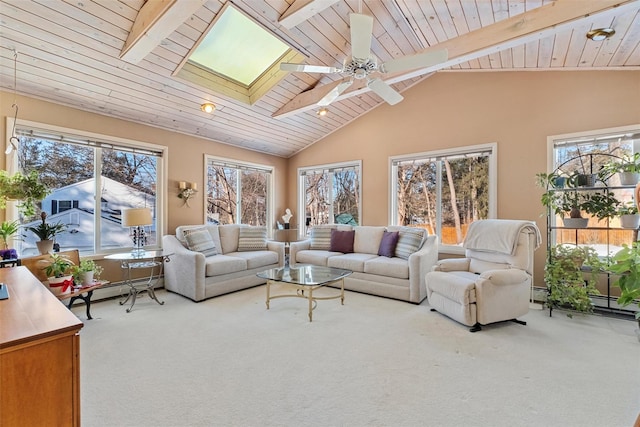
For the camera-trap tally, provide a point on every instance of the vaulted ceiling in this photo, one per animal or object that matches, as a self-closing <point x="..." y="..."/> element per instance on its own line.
<point x="118" y="57"/>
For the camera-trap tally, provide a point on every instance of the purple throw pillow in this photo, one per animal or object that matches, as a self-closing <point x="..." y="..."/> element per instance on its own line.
<point x="342" y="241"/>
<point x="388" y="243"/>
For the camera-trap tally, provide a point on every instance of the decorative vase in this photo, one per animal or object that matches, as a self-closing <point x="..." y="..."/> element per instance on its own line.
<point x="630" y="221"/>
<point x="60" y="285"/>
<point x="45" y="246"/>
<point x="87" y="278"/>
<point x="629" y="178"/>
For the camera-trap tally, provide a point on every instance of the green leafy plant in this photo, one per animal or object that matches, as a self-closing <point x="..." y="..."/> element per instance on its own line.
<point x="85" y="266"/>
<point x="25" y="188"/>
<point x="628" y="163"/>
<point x="626" y="263"/>
<point x="58" y="266"/>
<point x="46" y="231"/>
<point x="571" y="275"/>
<point x="601" y="205"/>
<point x="627" y="208"/>
<point x="7" y="231"/>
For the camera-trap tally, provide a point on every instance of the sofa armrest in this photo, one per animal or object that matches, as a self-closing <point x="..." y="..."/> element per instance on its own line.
<point x="185" y="271"/>
<point x="294" y="247"/>
<point x="506" y="277"/>
<point x="452" y="264"/>
<point x="420" y="263"/>
<point x="277" y="247"/>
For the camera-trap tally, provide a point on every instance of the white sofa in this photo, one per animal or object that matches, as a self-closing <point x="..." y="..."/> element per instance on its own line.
<point x="398" y="277"/>
<point x="231" y="266"/>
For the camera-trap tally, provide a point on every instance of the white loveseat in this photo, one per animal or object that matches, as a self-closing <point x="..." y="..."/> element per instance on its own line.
<point x="399" y="276"/>
<point x="239" y="252"/>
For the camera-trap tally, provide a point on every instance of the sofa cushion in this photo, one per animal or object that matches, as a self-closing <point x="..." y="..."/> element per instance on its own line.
<point x="314" y="257"/>
<point x="367" y="240"/>
<point x="257" y="259"/>
<point x="229" y="235"/>
<point x="353" y="262"/>
<point x="342" y="241"/>
<point x="223" y="264"/>
<point x="388" y="244"/>
<point x="252" y="239"/>
<point x="211" y="228"/>
<point x="410" y="240"/>
<point x="199" y="240"/>
<point x="321" y="237"/>
<point x="389" y="267"/>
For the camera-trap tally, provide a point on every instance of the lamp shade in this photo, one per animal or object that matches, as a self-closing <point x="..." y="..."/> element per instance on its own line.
<point x="136" y="217"/>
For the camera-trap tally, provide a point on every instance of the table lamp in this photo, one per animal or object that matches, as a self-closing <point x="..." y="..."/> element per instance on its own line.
<point x="137" y="218"/>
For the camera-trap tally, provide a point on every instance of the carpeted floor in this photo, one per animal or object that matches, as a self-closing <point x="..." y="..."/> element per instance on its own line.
<point x="372" y="362"/>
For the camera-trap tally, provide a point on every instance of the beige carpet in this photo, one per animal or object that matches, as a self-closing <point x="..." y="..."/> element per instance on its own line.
<point x="372" y="362"/>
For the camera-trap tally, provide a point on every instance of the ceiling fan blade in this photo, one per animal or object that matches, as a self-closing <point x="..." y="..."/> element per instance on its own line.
<point x="361" y="30"/>
<point x="385" y="91"/>
<point x="412" y="62"/>
<point x="286" y="66"/>
<point x="335" y="93"/>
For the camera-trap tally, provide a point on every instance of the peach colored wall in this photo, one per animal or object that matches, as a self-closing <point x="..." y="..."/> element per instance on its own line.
<point x="186" y="153"/>
<point x="518" y="110"/>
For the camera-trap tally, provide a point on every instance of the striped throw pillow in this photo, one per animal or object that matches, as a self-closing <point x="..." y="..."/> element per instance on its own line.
<point x="321" y="238"/>
<point x="199" y="240"/>
<point x="252" y="239"/>
<point x="409" y="242"/>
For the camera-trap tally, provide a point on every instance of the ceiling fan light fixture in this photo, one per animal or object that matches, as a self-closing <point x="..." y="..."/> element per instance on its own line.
<point x="600" y="34"/>
<point x="208" y="107"/>
<point x="322" y="112"/>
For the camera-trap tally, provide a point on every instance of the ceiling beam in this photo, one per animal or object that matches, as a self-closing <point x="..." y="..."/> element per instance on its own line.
<point x="301" y="10"/>
<point x="517" y="30"/>
<point x="156" y="20"/>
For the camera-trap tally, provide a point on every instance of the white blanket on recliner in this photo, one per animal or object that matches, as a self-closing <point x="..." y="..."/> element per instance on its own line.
<point x="498" y="235"/>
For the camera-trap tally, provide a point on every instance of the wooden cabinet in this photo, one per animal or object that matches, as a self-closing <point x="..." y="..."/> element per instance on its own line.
<point x="39" y="355"/>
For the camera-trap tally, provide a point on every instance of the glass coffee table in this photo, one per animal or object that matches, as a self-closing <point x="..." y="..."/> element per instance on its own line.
<point x="304" y="280"/>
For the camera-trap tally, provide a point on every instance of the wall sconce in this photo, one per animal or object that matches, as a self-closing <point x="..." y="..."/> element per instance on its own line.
<point x="208" y="107"/>
<point x="185" y="192"/>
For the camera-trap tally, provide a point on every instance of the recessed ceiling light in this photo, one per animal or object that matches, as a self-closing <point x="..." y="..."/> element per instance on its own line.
<point x="600" y="34"/>
<point x="208" y="107"/>
<point x="322" y="112"/>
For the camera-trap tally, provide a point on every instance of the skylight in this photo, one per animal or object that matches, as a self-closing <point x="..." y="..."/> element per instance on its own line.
<point x="237" y="48"/>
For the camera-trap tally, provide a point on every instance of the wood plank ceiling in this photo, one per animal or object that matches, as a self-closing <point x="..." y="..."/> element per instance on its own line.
<point x="68" y="52"/>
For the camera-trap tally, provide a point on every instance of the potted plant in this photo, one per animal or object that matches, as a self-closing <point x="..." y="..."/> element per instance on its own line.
<point x="46" y="233"/>
<point x="86" y="272"/>
<point x="7" y="231"/>
<point x="628" y="167"/>
<point x="571" y="275"/>
<point x="602" y="205"/>
<point x="59" y="272"/>
<point x="626" y="263"/>
<point x="628" y="213"/>
<point x="25" y="188"/>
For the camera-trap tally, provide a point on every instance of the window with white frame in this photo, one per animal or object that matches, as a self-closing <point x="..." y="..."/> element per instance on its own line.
<point x="237" y="192"/>
<point x="444" y="191"/>
<point x="329" y="194"/>
<point x="92" y="179"/>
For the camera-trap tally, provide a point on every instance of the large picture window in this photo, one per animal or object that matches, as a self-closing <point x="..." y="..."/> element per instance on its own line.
<point x="92" y="179"/>
<point x="444" y="191"/>
<point x="237" y="193"/>
<point x="329" y="194"/>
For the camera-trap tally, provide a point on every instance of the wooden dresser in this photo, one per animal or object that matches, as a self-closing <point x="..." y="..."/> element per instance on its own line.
<point x="39" y="355"/>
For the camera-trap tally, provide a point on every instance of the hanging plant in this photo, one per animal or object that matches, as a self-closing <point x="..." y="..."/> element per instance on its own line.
<point x="27" y="189"/>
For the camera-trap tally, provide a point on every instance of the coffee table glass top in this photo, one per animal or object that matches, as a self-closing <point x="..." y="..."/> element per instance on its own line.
<point x="308" y="275"/>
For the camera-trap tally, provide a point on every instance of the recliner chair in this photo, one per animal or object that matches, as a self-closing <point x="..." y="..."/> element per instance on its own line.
<point x="492" y="283"/>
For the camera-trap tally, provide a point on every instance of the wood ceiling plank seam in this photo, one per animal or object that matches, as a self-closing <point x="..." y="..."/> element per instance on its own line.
<point x="560" y="48"/>
<point x="188" y="34"/>
<point x="475" y="63"/>
<point x="126" y="9"/>
<point x="485" y="12"/>
<point x="545" y="52"/>
<point x="319" y="55"/>
<point x="458" y="18"/>
<point x="531" y="50"/>
<point x="517" y="7"/>
<point x="592" y="48"/>
<point x="102" y="14"/>
<point x="418" y="24"/>
<point x="532" y="4"/>
<point x="200" y="20"/>
<point x="484" y="62"/>
<point x="31" y="22"/>
<point x="501" y="11"/>
<point x="337" y="38"/>
<point x="634" y="58"/>
<point x="517" y="56"/>
<point x="159" y="59"/>
<point x="180" y="40"/>
<point x="394" y="51"/>
<point x="495" y="60"/>
<point x="611" y="45"/>
<point x="402" y="23"/>
<point x="326" y="42"/>
<point x="56" y="19"/>
<point x="630" y="42"/>
<point x="471" y="15"/>
<point x="577" y="45"/>
<point x="388" y="21"/>
<point x="433" y="19"/>
<point x="173" y="47"/>
<point x="443" y="24"/>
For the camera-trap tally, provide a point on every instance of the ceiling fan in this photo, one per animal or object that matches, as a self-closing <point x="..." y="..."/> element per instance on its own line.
<point x="362" y="63"/>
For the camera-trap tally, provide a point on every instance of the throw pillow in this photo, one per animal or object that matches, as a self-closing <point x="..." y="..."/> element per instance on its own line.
<point x="409" y="242"/>
<point x="342" y="241"/>
<point x="252" y="239"/>
<point x="388" y="243"/>
<point x="199" y="240"/>
<point x="321" y="238"/>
